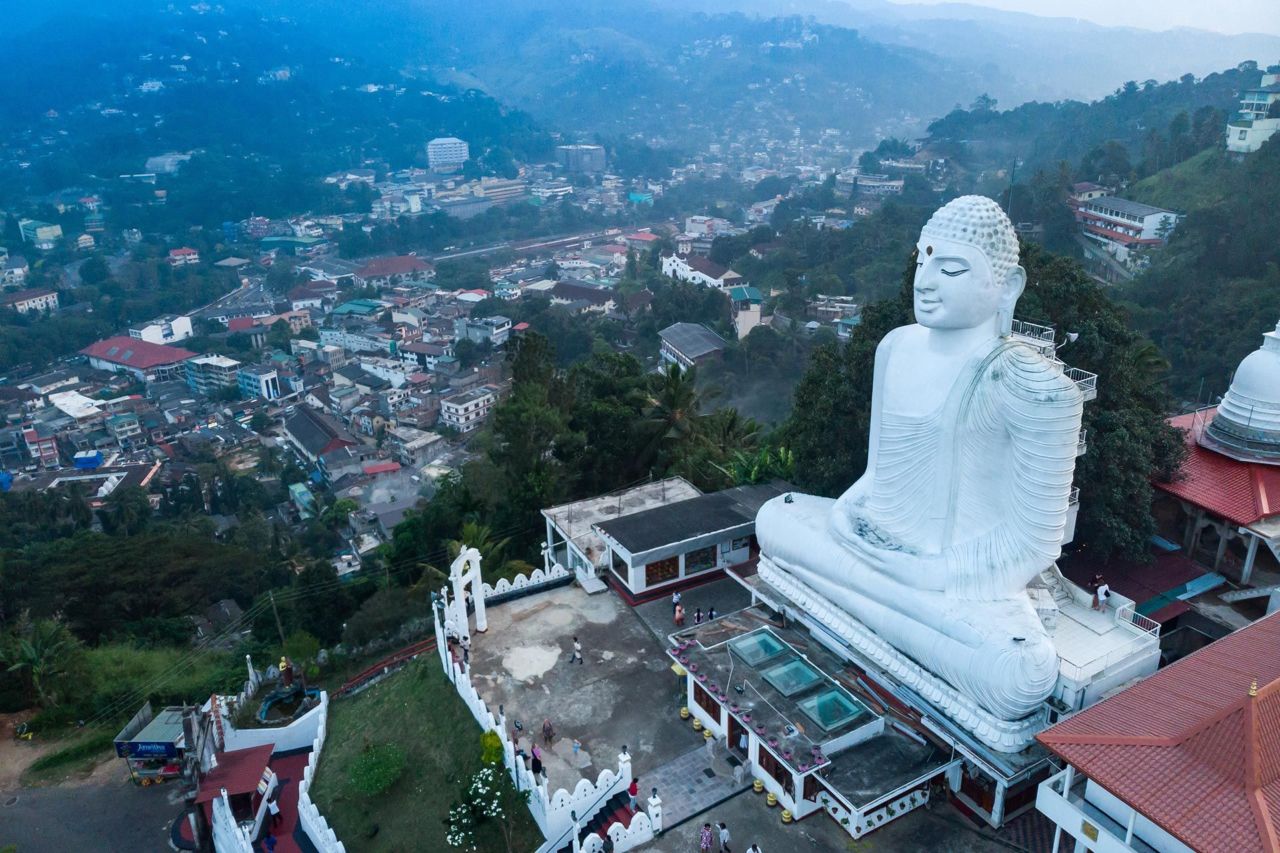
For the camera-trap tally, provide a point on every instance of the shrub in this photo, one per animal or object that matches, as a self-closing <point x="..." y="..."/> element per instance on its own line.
<point x="377" y="769"/>
<point x="490" y="748"/>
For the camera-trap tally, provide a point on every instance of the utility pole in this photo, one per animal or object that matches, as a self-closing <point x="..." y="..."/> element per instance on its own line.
<point x="279" y="627"/>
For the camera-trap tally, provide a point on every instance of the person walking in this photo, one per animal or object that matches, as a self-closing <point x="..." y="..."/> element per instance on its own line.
<point x="536" y="763"/>
<point x="697" y="616"/>
<point x="466" y="650"/>
<point x="548" y="731"/>
<point x="680" y="615"/>
<point x="675" y="600"/>
<point x="633" y="791"/>
<point x="577" y="651"/>
<point x="724" y="838"/>
<point x="704" y="839"/>
<point x="754" y="848"/>
<point x="711" y="613"/>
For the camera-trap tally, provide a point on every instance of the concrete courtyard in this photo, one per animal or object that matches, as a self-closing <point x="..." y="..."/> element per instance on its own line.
<point x="626" y="693"/>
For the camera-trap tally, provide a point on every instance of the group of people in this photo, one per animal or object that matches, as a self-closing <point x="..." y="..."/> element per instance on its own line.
<point x="677" y="609"/>
<point x="1101" y="592"/>
<point x="709" y="835"/>
<point x="534" y="755"/>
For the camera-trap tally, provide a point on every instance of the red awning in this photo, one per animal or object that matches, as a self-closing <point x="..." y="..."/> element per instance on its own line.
<point x="237" y="771"/>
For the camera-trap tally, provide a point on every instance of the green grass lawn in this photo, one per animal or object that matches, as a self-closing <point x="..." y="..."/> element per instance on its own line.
<point x="418" y="711"/>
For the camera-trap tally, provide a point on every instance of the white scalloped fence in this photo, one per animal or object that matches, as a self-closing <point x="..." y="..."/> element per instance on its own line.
<point x="539" y="577"/>
<point x="309" y="817"/>
<point x="624" y="838"/>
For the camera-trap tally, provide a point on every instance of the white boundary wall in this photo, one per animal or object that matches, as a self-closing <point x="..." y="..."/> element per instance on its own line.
<point x="309" y="817"/>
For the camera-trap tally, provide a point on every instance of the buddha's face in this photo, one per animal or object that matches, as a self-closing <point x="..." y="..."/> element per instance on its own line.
<point x="955" y="287"/>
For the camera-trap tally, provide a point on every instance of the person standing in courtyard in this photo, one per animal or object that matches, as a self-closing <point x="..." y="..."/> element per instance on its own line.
<point x="704" y="839"/>
<point x="577" y="652"/>
<point x="548" y="731"/>
<point x="633" y="791"/>
<point x="675" y="601"/>
<point x="724" y="838"/>
<point x="711" y="613"/>
<point x="754" y="848"/>
<point x="697" y="616"/>
<point x="679" y="615"/>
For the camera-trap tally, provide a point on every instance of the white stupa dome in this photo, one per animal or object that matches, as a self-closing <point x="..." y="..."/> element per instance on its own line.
<point x="1247" y="424"/>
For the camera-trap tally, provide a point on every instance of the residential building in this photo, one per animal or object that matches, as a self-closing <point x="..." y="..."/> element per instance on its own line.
<point x="1119" y="226"/>
<point x="423" y="354"/>
<point x="147" y="361"/>
<point x="183" y="256"/>
<point x="13" y="270"/>
<point x="1259" y="115"/>
<point x="689" y="344"/>
<point x="1183" y="760"/>
<point x="501" y="191"/>
<point x="125" y="428"/>
<point x="483" y="330"/>
<point x="354" y="340"/>
<point x="699" y="270"/>
<point x="581" y="158"/>
<point x="878" y="185"/>
<point x="42" y="235"/>
<point x="211" y="374"/>
<point x="447" y="154"/>
<point x="41" y="443"/>
<point x="35" y="299"/>
<point x="85" y="242"/>
<point x="258" y="381"/>
<point x="581" y="296"/>
<point x="468" y="410"/>
<point x="707" y="226"/>
<point x="1087" y="191"/>
<point x="397" y="269"/>
<point x="414" y="447"/>
<point x="314" y="434"/>
<point x="163" y="330"/>
<point x="746" y="304"/>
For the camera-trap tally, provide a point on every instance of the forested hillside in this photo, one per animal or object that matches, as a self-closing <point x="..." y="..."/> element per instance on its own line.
<point x="1212" y="292"/>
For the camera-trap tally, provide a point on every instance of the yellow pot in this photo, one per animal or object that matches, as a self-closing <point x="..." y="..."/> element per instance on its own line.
<point x="757" y="786"/>
<point x="786" y="816"/>
<point x="697" y="724"/>
<point x="771" y="800"/>
<point x="684" y="713"/>
<point x="706" y="733"/>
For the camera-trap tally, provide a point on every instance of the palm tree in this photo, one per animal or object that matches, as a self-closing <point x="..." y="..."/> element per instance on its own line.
<point x="495" y="562"/>
<point x="42" y="650"/>
<point x="674" y="410"/>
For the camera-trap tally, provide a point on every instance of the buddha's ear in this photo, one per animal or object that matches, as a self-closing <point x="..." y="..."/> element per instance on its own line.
<point x="1014" y="283"/>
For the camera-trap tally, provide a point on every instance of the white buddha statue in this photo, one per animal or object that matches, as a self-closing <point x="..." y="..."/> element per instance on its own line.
<point x="969" y="469"/>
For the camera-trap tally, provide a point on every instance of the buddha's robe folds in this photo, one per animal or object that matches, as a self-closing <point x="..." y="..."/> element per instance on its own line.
<point x="932" y="548"/>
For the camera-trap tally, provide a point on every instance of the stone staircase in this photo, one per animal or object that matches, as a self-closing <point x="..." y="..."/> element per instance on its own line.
<point x="617" y="809"/>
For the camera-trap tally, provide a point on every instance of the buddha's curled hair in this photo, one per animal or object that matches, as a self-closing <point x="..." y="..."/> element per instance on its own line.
<point x="978" y="222"/>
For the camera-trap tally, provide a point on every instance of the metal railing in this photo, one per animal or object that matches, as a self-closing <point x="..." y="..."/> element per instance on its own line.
<point x="1082" y="446"/>
<point x="1074" y="497"/>
<point x="1128" y="613"/>
<point x="1087" y="382"/>
<point x="1036" y="332"/>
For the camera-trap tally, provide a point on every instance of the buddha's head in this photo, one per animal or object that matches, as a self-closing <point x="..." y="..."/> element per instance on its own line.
<point x="967" y="269"/>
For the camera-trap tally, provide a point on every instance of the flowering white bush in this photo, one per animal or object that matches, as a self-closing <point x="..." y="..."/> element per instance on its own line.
<point x="488" y="795"/>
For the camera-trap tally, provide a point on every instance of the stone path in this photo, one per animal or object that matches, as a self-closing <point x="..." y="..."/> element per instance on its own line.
<point x="690" y="784"/>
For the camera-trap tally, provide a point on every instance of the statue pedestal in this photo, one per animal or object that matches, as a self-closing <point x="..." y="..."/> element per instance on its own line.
<point x="1000" y="735"/>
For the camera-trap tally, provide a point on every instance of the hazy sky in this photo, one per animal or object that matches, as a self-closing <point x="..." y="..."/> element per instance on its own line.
<point x="1224" y="16"/>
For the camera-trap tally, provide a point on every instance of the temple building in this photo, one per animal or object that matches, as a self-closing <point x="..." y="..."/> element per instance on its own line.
<point x="1228" y="489"/>
<point x="1188" y="759"/>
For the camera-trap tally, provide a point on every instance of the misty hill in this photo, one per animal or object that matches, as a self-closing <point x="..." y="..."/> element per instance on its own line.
<point x="1032" y="57"/>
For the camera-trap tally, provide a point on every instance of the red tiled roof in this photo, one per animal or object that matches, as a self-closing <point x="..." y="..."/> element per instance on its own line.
<point x="240" y="324"/>
<point x="1240" y="492"/>
<point x="16" y="296"/>
<point x="1189" y="748"/>
<point x="642" y="236"/>
<point x="132" y="352"/>
<point x="181" y="252"/>
<point x="238" y="771"/>
<point x="396" y="265"/>
<point x="520" y="327"/>
<point x="382" y="467"/>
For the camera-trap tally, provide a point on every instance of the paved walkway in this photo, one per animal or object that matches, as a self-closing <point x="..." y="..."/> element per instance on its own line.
<point x="691" y="784"/>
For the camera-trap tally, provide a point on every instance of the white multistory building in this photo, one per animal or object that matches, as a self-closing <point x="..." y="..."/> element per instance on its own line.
<point x="446" y="153"/>
<point x="1259" y="115"/>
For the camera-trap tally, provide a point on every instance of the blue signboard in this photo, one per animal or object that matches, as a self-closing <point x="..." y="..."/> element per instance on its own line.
<point x="146" y="749"/>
